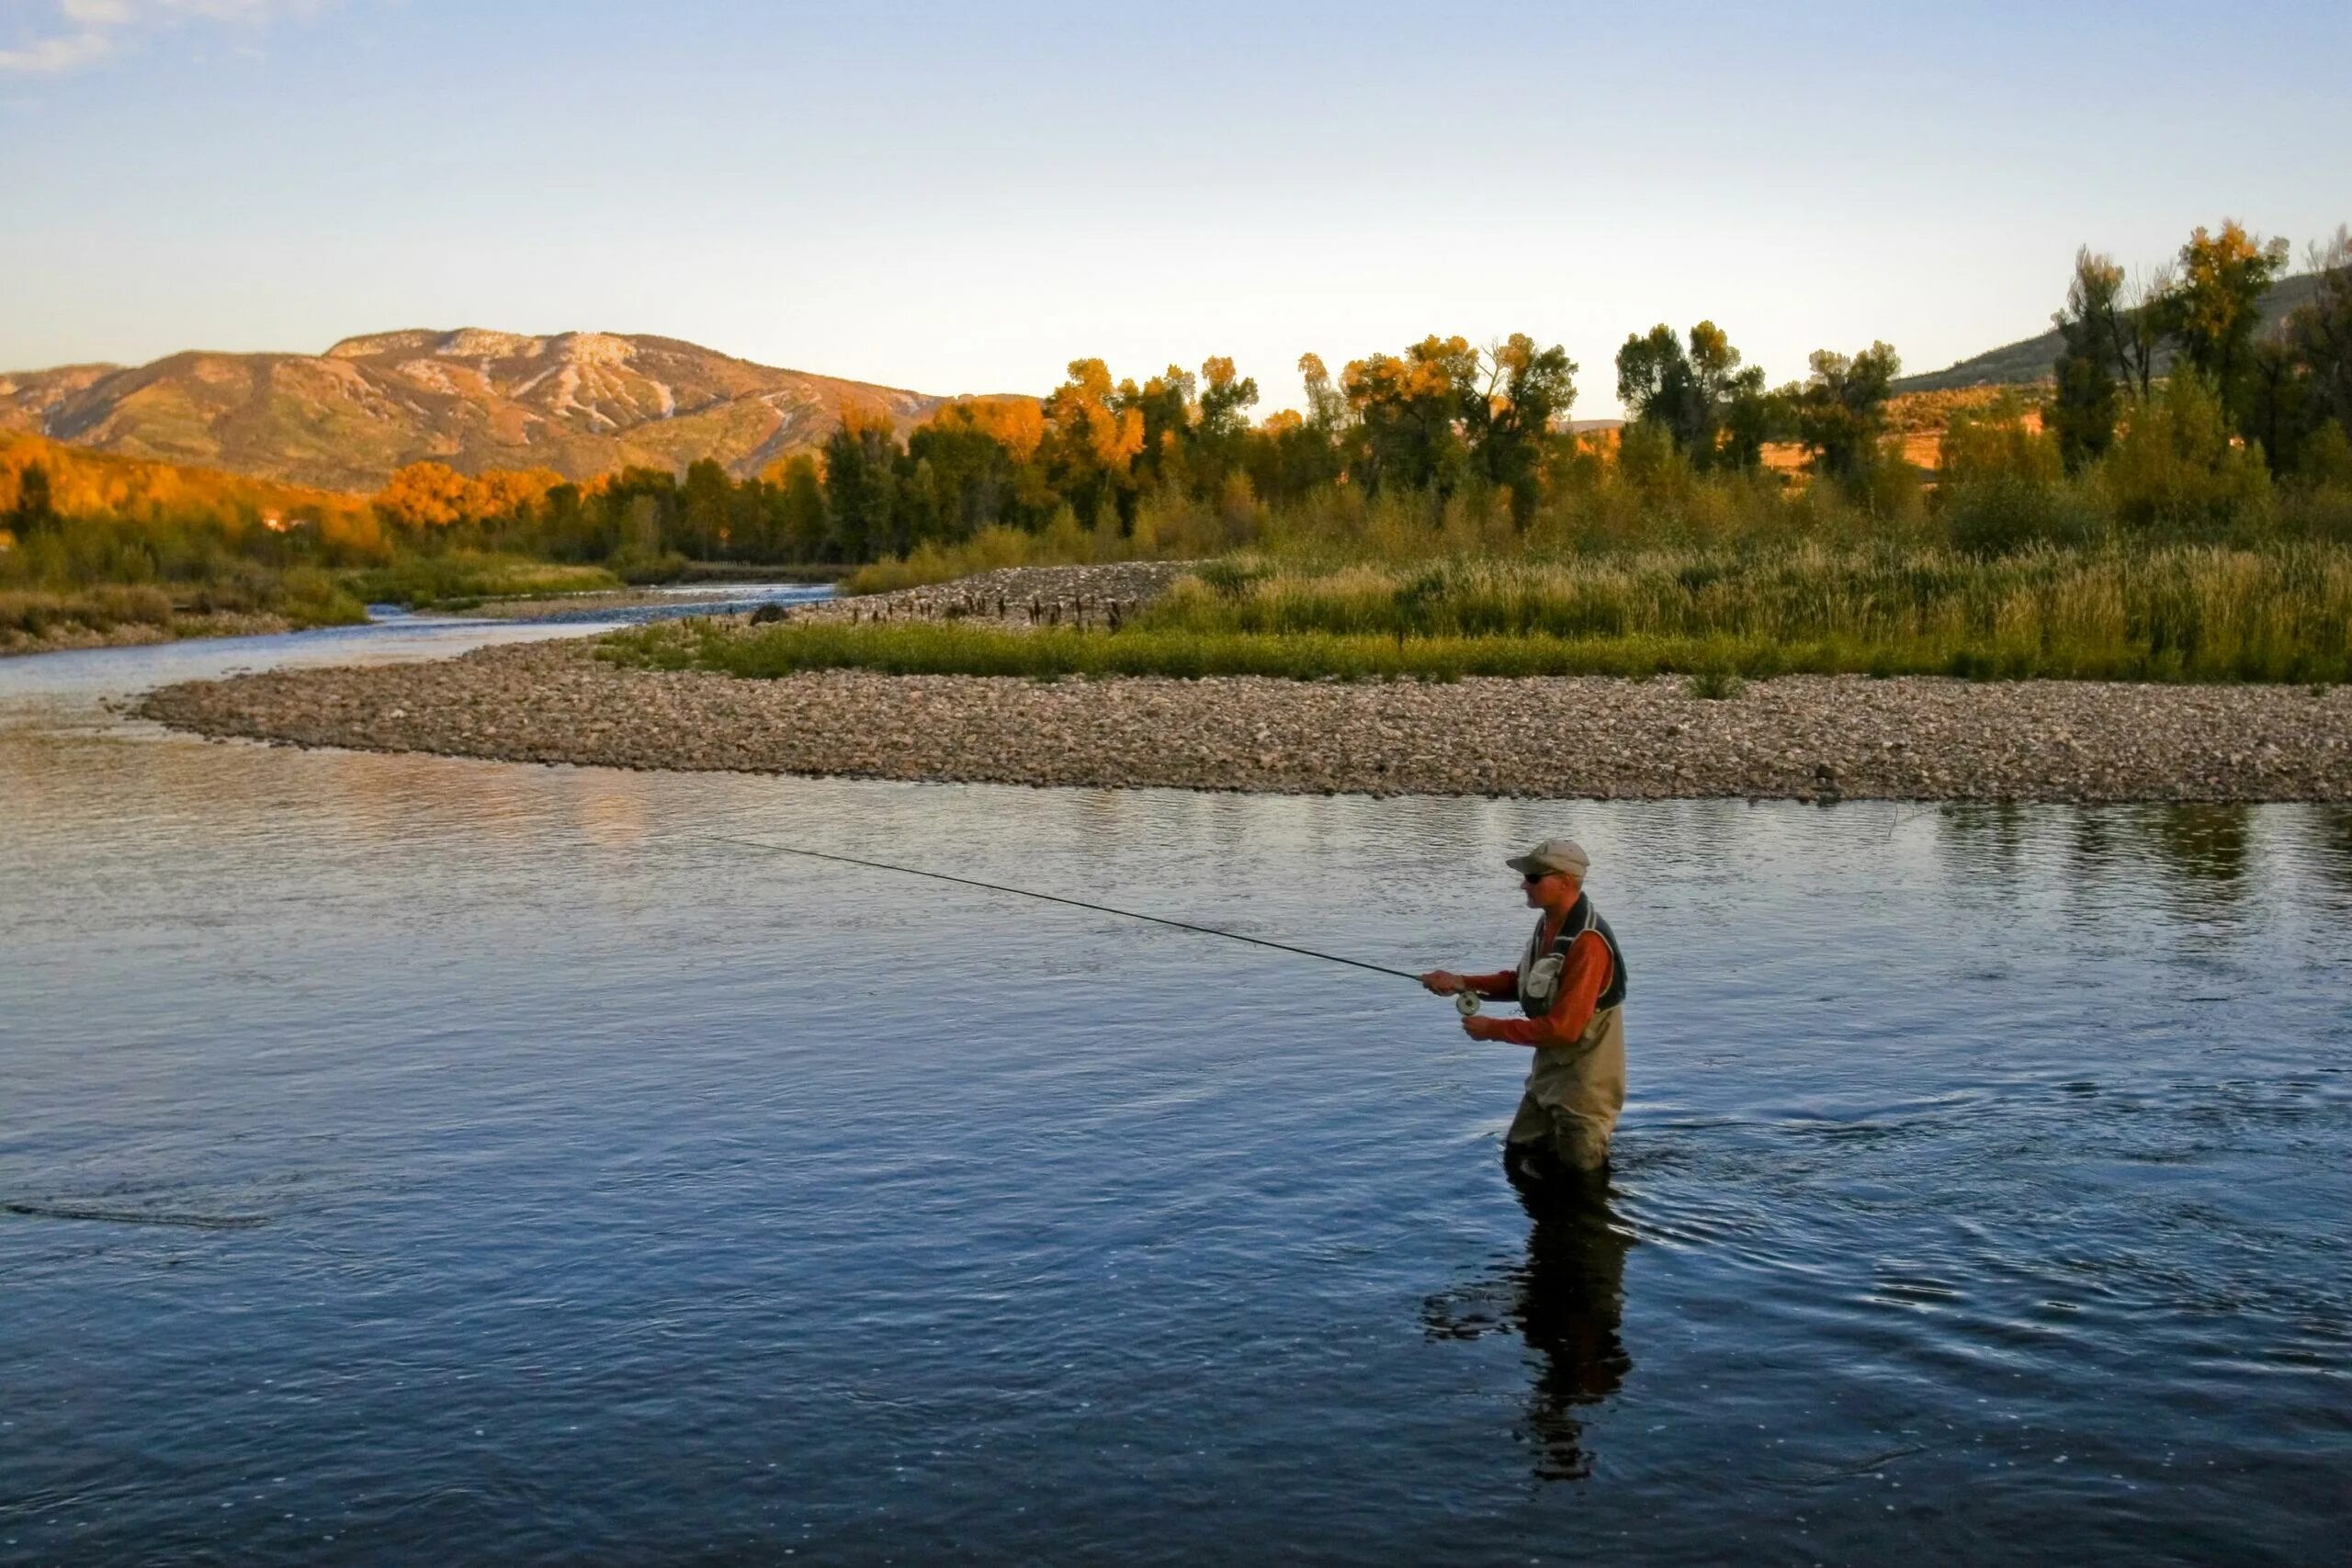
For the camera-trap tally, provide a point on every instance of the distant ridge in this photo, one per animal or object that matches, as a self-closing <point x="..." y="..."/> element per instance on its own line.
<point x="581" y="403"/>
<point x="2028" y="360"/>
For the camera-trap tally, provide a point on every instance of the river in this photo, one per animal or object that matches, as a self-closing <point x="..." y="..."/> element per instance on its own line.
<point x="420" y="1159"/>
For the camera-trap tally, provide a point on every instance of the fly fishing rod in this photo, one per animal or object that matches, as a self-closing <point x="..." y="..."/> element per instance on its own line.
<point x="1464" y="1002"/>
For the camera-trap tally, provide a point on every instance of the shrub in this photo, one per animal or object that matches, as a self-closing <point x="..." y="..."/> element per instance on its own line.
<point x="1717" y="682"/>
<point x="2175" y="467"/>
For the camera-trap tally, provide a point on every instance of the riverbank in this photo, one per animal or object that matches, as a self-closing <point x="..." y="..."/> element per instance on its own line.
<point x="574" y="606"/>
<point x="75" y="636"/>
<point x="1802" y="738"/>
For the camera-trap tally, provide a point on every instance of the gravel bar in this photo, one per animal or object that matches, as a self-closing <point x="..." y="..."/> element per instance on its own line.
<point x="1803" y="738"/>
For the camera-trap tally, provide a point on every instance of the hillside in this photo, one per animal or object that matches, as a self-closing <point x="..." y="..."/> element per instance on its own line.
<point x="2028" y="360"/>
<point x="581" y="403"/>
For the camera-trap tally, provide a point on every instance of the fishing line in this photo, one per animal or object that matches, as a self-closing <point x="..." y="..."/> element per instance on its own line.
<point x="1098" y="909"/>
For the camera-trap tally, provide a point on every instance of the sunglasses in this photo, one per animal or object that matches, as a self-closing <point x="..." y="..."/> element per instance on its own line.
<point x="1533" y="877"/>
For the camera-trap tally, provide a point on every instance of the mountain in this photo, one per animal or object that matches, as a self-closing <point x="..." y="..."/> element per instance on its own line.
<point x="2023" y="363"/>
<point x="581" y="404"/>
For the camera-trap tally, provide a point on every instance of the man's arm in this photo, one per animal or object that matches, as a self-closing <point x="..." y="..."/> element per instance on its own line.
<point x="1582" y="979"/>
<point x="1499" y="986"/>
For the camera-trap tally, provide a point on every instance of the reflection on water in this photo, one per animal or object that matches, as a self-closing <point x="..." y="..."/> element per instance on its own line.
<point x="409" y="1159"/>
<point x="1566" y="1300"/>
<point x="2330" y="835"/>
<point x="2205" y="846"/>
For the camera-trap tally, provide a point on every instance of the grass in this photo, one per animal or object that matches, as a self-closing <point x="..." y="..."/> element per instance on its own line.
<point x="986" y="550"/>
<point x="2184" y="612"/>
<point x="301" y="598"/>
<point x="37" y="614"/>
<point x="2175" y="614"/>
<point x="1715" y="684"/>
<point x="461" y="579"/>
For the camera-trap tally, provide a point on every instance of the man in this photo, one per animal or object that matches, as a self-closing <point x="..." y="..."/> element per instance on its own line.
<point x="1571" y="984"/>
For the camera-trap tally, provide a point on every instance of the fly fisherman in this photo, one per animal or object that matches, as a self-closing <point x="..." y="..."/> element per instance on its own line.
<point x="1571" y="984"/>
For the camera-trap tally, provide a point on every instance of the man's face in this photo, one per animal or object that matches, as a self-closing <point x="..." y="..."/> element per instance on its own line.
<point x="1550" y="890"/>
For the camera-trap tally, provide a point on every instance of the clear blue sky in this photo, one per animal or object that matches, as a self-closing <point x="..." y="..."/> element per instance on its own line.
<point x="964" y="197"/>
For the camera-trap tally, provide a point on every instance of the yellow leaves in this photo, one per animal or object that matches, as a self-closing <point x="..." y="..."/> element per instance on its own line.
<point x="1018" y="424"/>
<point x="1084" y="413"/>
<point x="424" y="495"/>
<point x="860" y="418"/>
<point x="1117" y="444"/>
<point x="501" y="491"/>
<point x="82" y="484"/>
<point x="434" y="495"/>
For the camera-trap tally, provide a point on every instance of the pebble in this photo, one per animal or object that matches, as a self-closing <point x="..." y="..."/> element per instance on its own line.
<point x="1801" y="738"/>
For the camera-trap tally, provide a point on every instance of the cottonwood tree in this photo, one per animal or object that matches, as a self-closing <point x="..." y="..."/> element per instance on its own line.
<point x="2109" y="334"/>
<point x="1165" y="403"/>
<point x="2320" y="333"/>
<point x="1696" y="395"/>
<point x="2212" y="311"/>
<point x="1092" y="438"/>
<point x="1442" y="413"/>
<point x="34" y="511"/>
<point x="1410" y="409"/>
<point x="705" y="511"/>
<point x="802" y="522"/>
<point x="1290" y="454"/>
<point x="1841" y="408"/>
<point x="1522" y="390"/>
<point x="861" y="485"/>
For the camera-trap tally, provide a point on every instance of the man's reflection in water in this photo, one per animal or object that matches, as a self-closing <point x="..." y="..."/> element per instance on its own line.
<point x="1566" y="1303"/>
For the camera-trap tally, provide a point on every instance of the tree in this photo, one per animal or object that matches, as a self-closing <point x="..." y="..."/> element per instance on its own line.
<point x="1841" y="409"/>
<point x="2212" y="311"/>
<point x="861" y="488"/>
<point x="2084" y="408"/>
<point x="1165" y="403"/>
<point x="1751" y="416"/>
<point x="1523" y="390"/>
<point x="1327" y="406"/>
<point x="1290" y="454"/>
<point x="1091" y="443"/>
<point x="425" y="495"/>
<point x="705" y="511"/>
<point x="802" y="522"/>
<point x="2320" y="333"/>
<point x="35" y="512"/>
<point x="1693" y="395"/>
<point x="1409" y="411"/>
<point x="1653" y="381"/>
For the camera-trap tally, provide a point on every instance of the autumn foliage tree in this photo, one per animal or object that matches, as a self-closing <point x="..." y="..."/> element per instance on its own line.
<point x="2212" y="311"/>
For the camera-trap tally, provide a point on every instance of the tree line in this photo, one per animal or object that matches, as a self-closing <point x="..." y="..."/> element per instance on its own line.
<point x="1444" y="426"/>
<point x="1444" y="420"/>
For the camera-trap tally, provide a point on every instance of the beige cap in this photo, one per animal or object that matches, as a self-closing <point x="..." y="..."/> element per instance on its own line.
<point x="1552" y="855"/>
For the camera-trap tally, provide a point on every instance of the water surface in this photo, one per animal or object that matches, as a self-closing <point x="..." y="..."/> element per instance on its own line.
<point x="431" y="1159"/>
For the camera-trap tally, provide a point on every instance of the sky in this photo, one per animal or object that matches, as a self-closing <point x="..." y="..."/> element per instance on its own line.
<point x="964" y="198"/>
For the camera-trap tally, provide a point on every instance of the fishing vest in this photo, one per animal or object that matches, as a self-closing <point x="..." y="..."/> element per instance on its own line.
<point x="1540" y="966"/>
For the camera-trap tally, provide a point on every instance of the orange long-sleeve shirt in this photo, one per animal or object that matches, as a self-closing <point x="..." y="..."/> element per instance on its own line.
<point x="1583" y="977"/>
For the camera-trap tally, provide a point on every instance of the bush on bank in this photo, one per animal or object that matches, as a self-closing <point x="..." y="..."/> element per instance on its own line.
<point x="2182" y="613"/>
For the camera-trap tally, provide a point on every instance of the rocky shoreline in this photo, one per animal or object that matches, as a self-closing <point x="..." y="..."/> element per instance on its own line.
<point x="1802" y="738"/>
<point x="77" y="638"/>
<point x="1015" y="596"/>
